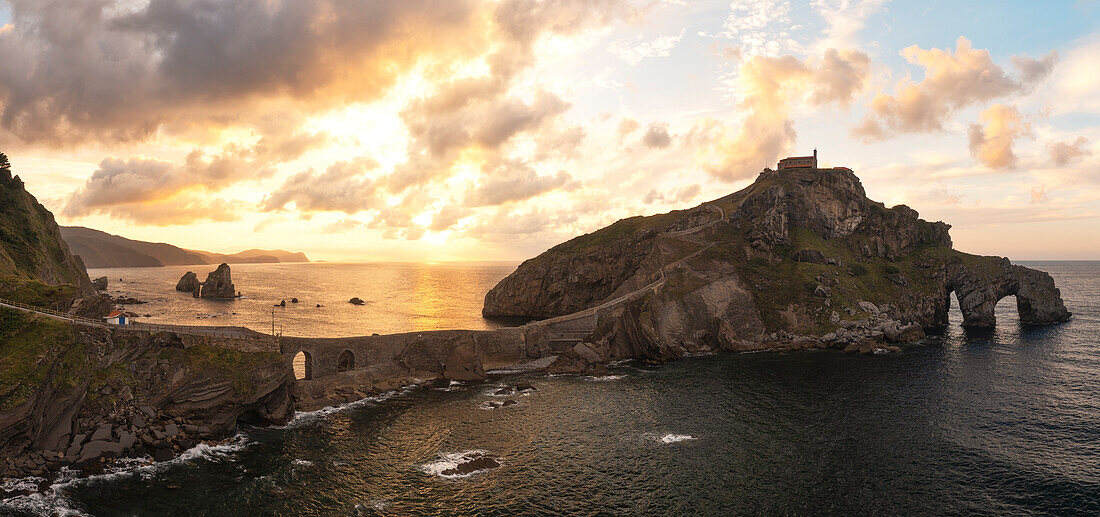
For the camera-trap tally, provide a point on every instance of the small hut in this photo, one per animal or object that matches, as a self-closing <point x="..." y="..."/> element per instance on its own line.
<point x="117" y="317"/>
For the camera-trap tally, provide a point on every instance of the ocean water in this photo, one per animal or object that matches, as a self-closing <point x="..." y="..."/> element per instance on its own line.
<point x="400" y="297"/>
<point x="1003" y="422"/>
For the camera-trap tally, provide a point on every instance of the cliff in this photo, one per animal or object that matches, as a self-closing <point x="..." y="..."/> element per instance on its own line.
<point x="72" y="394"/>
<point x="100" y="249"/>
<point x="36" y="266"/>
<point x="800" y="258"/>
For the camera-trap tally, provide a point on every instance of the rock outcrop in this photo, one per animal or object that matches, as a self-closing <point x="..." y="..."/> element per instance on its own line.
<point x="188" y="283"/>
<point x="100" y="283"/>
<point x="219" y="284"/>
<point x="36" y="266"/>
<point x="97" y="392"/>
<point x="800" y="258"/>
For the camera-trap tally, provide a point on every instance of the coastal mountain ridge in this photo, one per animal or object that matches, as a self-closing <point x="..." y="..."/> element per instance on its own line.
<point x="99" y="249"/>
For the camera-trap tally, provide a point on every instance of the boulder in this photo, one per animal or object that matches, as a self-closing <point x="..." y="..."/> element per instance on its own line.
<point x="903" y="333"/>
<point x="219" y="284"/>
<point x="101" y="448"/>
<point x="356" y="301"/>
<point x="189" y="282"/>
<point x="103" y="433"/>
<point x="810" y="256"/>
<point x="472" y="464"/>
<point x="869" y="307"/>
<point x="587" y="353"/>
<point x="100" y="283"/>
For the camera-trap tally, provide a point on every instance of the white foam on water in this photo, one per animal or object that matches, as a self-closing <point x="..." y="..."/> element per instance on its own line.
<point x="604" y="378"/>
<point x="54" y="502"/>
<point x="27" y="483"/>
<point x="674" y="438"/>
<point x="450" y="460"/>
<point x="305" y="417"/>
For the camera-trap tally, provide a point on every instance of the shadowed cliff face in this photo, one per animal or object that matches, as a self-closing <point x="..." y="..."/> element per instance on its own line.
<point x="800" y="258"/>
<point x="31" y="247"/>
<point x="71" y="394"/>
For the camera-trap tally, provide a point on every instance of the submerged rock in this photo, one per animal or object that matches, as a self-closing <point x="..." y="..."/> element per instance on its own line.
<point x="356" y="301"/>
<point x="471" y="465"/>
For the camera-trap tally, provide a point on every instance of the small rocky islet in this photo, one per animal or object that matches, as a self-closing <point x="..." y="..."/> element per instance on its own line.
<point x="799" y="259"/>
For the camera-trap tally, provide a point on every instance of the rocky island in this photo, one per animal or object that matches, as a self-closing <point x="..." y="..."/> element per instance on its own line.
<point x="800" y="258"/>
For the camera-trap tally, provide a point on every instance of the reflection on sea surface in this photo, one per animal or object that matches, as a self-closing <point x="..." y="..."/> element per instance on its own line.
<point x="400" y="297"/>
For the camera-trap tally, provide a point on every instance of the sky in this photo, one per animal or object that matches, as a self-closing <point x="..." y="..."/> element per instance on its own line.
<point x="425" y="130"/>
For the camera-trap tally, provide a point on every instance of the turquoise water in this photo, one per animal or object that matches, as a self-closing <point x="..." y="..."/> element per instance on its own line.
<point x="1004" y="422"/>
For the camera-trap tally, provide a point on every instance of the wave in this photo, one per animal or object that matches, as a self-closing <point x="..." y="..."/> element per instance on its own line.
<point x="54" y="502"/>
<point x="674" y="438"/>
<point x="305" y="417"/>
<point x="604" y="378"/>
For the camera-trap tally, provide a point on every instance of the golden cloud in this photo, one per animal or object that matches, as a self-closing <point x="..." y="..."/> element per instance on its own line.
<point x="951" y="81"/>
<point x="992" y="143"/>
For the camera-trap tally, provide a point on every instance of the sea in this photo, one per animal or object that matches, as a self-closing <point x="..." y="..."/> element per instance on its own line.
<point x="997" y="422"/>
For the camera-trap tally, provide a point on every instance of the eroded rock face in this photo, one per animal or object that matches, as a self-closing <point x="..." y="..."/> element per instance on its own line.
<point x="115" y="393"/>
<point x="219" y="284"/>
<point x="801" y="259"/>
<point x="188" y="283"/>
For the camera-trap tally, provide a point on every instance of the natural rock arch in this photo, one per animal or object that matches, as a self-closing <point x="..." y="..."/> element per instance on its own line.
<point x="303" y="367"/>
<point x="1038" y="301"/>
<point x="345" y="362"/>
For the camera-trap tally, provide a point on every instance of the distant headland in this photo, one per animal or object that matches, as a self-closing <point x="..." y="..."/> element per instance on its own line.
<point x="100" y="249"/>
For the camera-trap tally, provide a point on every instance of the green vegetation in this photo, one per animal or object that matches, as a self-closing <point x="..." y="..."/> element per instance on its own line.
<point x="30" y="241"/>
<point x="233" y="365"/>
<point x="34" y="292"/>
<point x="28" y="346"/>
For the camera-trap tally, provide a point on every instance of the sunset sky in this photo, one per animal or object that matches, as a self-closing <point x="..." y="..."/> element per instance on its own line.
<point x="491" y="130"/>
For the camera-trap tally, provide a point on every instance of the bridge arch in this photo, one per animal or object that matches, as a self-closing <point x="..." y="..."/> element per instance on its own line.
<point x="303" y="366"/>
<point x="346" y="361"/>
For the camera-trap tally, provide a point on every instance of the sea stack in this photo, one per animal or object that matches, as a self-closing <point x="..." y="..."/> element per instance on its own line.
<point x="219" y="284"/>
<point x="189" y="282"/>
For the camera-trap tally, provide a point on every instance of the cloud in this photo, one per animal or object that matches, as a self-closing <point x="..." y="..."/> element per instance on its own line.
<point x="680" y="195"/>
<point x="482" y="114"/>
<point x="628" y="126"/>
<point x="992" y="143"/>
<point x="770" y="85"/>
<point x="117" y="184"/>
<point x="760" y="27"/>
<point x="1064" y="153"/>
<point x="343" y="187"/>
<point x="845" y="19"/>
<point x="951" y="81"/>
<point x="511" y="180"/>
<point x="448" y="216"/>
<point x="1076" y="81"/>
<point x="633" y="52"/>
<point x="79" y="71"/>
<point x="657" y="137"/>
<point x="512" y="225"/>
